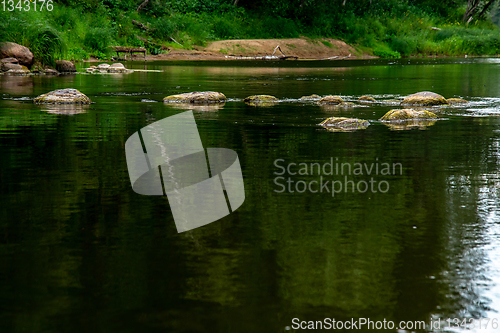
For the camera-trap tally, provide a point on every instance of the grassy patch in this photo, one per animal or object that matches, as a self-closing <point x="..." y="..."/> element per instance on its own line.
<point x="327" y="43"/>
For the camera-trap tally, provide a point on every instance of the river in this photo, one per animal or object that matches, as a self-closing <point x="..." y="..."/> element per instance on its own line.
<point x="80" y="251"/>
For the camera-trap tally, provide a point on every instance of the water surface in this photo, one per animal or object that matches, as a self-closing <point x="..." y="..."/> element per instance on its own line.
<point x="81" y="252"/>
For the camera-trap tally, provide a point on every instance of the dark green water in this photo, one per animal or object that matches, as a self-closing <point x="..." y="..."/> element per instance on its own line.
<point x="81" y="252"/>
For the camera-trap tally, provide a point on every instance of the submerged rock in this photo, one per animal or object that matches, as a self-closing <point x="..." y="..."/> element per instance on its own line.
<point x="310" y="97"/>
<point x="424" y="98"/>
<point x="391" y="101"/>
<point x="454" y="101"/>
<point x="13" y="50"/>
<point x="408" y="114"/>
<point x="63" y="96"/>
<point x="196" y="97"/>
<point x="331" y="100"/>
<point x="366" y="98"/>
<point x="344" y="124"/>
<point x="65" y="66"/>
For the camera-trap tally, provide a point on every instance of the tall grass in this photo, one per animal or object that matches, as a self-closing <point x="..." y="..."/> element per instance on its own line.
<point x="80" y="29"/>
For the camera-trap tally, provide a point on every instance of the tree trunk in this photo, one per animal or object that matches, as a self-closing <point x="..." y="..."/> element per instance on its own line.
<point x="485" y="8"/>
<point x="235" y="3"/>
<point x="471" y="9"/>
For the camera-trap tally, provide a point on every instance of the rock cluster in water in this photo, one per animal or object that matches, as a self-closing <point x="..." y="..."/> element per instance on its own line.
<point x="63" y="96"/>
<point x="107" y="68"/>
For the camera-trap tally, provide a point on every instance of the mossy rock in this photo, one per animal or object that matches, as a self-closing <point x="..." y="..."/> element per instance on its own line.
<point x="366" y="98"/>
<point x="424" y="98"/>
<point x="310" y="97"/>
<point x="63" y="96"/>
<point x="344" y="124"/>
<point x="196" y="97"/>
<point x="261" y="99"/>
<point x="455" y="101"/>
<point x="408" y="114"/>
<point x="410" y="125"/>
<point x="331" y="100"/>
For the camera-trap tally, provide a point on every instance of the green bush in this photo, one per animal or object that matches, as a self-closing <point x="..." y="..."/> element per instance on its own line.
<point x="384" y="51"/>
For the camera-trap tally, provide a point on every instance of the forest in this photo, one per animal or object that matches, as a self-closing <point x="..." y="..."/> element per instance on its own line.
<point x="80" y="29"/>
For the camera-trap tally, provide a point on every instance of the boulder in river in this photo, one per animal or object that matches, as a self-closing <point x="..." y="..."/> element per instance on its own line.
<point x="344" y="124"/>
<point x="408" y="114"/>
<point x="196" y="97"/>
<point x="13" y="50"/>
<point x="424" y="98"/>
<point x="454" y="101"/>
<point x="366" y="98"/>
<point x="9" y="65"/>
<point x="65" y="66"/>
<point x="260" y="99"/>
<point x="63" y="96"/>
<point x="310" y="97"/>
<point x="15" y="69"/>
<point x="331" y="100"/>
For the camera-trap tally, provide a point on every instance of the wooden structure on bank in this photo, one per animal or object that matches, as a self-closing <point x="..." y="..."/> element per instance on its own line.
<point x="129" y="51"/>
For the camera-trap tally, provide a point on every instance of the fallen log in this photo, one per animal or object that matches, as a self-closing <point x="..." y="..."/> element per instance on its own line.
<point x="262" y="58"/>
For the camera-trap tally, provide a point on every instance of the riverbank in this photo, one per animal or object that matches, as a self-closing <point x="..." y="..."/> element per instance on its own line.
<point x="221" y="30"/>
<point x="302" y="48"/>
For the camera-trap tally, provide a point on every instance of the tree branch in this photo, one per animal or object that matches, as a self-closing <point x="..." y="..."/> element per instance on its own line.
<point x="142" y="5"/>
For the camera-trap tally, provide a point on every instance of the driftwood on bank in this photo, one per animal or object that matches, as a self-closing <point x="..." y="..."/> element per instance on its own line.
<point x="336" y="57"/>
<point x="261" y="58"/>
<point x="140" y="25"/>
<point x="142" y="5"/>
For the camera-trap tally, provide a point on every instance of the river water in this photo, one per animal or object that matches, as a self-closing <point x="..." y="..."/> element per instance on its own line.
<point x="80" y="251"/>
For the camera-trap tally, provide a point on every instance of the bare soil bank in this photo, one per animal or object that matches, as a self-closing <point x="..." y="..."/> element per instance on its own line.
<point x="303" y="48"/>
